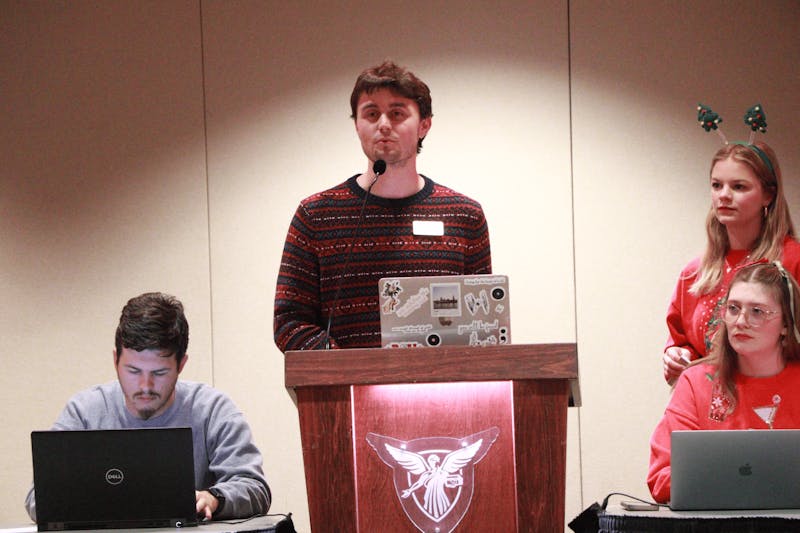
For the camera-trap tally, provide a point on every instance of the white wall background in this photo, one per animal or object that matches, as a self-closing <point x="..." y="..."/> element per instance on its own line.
<point x="165" y="145"/>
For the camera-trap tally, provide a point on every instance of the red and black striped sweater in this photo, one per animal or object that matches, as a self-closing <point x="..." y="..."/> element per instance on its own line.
<point x="318" y="242"/>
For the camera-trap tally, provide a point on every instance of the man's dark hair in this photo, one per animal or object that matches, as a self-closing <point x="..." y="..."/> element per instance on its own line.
<point x="153" y="321"/>
<point x="399" y="80"/>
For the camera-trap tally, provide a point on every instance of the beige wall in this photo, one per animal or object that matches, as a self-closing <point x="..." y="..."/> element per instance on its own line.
<point x="165" y="145"/>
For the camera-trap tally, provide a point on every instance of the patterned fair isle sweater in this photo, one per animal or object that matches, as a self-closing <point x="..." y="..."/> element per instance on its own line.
<point x="325" y="230"/>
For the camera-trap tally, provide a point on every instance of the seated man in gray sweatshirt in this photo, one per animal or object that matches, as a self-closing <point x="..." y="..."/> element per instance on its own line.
<point x="149" y="355"/>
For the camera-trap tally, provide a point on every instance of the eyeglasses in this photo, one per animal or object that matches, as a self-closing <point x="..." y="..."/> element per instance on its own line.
<point x="755" y="316"/>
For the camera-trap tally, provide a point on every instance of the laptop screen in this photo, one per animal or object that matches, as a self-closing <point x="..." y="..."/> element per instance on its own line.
<point x="468" y="310"/>
<point x="735" y="469"/>
<point x="121" y="478"/>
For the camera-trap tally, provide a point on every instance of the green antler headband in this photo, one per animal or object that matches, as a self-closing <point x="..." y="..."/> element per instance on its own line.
<point x="754" y="118"/>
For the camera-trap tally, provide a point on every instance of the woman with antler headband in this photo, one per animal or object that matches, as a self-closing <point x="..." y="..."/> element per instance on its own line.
<point x="749" y="379"/>
<point x="748" y="220"/>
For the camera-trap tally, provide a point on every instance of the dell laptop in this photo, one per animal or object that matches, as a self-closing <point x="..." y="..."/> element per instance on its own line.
<point x="121" y="478"/>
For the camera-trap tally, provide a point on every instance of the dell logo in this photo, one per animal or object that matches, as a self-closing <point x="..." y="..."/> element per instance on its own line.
<point x="114" y="476"/>
<point x="746" y="469"/>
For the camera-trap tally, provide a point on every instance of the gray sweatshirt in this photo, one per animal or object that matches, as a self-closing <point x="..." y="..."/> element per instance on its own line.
<point x="224" y="454"/>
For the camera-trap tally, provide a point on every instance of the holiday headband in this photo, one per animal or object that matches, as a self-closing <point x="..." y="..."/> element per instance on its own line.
<point x="754" y="118"/>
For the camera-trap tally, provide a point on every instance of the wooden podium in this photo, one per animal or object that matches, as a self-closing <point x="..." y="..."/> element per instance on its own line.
<point x="489" y="422"/>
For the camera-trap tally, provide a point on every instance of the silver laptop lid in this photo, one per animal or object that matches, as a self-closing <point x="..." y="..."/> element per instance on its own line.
<point x="122" y="478"/>
<point x="735" y="469"/>
<point x="468" y="310"/>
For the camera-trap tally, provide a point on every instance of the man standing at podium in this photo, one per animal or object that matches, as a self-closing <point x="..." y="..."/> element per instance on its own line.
<point x="150" y="353"/>
<point x="387" y="221"/>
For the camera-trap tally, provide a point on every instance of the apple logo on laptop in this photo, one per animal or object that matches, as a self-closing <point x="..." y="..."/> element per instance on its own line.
<point x="114" y="476"/>
<point x="746" y="469"/>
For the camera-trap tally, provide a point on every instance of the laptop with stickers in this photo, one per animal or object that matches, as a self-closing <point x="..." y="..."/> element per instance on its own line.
<point x="466" y="310"/>
<point x="119" y="478"/>
<point x="735" y="469"/>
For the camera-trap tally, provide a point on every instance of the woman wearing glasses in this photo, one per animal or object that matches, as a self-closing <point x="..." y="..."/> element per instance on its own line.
<point x="748" y="221"/>
<point x="749" y="379"/>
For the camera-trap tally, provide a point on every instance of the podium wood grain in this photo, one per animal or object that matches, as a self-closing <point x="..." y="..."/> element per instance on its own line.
<point x="343" y="393"/>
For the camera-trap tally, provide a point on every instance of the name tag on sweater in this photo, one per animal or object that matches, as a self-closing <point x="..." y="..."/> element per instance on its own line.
<point x="428" y="227"/>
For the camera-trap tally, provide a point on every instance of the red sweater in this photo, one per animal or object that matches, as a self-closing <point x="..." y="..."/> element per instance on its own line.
<point x="325" y="229"/>
<point x="696" y="405"/>
<point x="692" y="319"/>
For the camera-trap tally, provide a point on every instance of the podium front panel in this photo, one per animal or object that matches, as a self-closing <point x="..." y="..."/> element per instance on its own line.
<point x="434" y="456"/>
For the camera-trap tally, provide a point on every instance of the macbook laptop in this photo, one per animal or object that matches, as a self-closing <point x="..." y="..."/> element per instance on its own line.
<point x="468" y="310"/>
<point x="735" y="469"/>
<point x="122" y="478"/>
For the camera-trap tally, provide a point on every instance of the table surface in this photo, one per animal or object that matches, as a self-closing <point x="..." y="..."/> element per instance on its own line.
<point x="664" y="520"/>
<point x="259" y="523"/>
<point x="667" y="513"/>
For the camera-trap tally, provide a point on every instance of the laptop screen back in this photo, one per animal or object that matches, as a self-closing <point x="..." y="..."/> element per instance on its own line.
<point x="469" y="310"/>
<point x="123" y="478"/>
<point x="735" y="469"/>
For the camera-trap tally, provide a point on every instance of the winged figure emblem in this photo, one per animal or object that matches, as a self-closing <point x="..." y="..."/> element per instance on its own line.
<point x="434" y="474"/>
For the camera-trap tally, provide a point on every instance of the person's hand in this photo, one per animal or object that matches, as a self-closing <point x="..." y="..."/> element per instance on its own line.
<point x="206" y="504"/>
<point x="675" y="361"/>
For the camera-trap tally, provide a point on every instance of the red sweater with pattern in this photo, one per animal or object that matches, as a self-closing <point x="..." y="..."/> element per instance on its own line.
<point x="325" y="230"/>
<point x="696" y="404"/>
<point x="692" y="319"/>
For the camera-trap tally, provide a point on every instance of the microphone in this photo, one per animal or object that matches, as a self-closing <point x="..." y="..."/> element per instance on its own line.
<point x="378" y="168"/>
